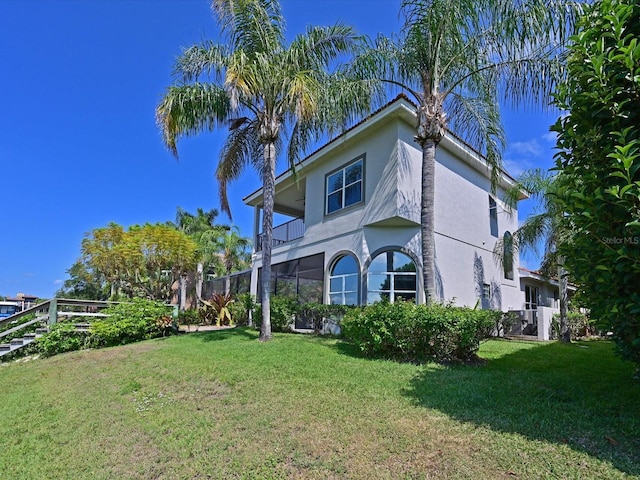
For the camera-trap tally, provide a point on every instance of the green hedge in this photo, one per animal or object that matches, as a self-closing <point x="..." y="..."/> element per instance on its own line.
<point x="284" y="311"/>
<point x="127" y="322"/>
<point x="416" y="333"/>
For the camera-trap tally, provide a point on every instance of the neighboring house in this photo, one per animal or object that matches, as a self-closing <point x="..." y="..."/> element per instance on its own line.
<point x="23" y="301"/>
<point x="541" y="301"/>
<point x="354" y="233"/>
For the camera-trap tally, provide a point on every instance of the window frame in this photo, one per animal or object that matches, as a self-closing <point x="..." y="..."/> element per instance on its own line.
<point x="507" y="256"/>
<point x="343" y="168"/>
<point x="392" y="291"/>
<point x="343" y="292"/>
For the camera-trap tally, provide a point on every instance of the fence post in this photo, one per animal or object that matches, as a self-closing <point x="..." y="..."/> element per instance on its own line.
<point x="53" y="311"/>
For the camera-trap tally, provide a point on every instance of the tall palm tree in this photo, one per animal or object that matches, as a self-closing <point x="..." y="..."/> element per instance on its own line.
<point x="547" y="226"/>
<point x="259" y="87"/>
<point x="456" y="58"/>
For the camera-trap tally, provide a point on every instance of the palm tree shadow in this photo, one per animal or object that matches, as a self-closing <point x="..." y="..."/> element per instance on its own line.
<point x="219" y="335"/>
<point x="553" y="393"/>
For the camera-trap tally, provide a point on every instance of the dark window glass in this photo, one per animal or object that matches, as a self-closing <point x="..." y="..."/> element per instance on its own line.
<point x="344" y="188"/>
<point x="353" y="194"/>
<point x="334" y="202"/>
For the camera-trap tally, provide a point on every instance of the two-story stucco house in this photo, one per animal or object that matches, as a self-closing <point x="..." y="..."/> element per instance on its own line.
<point x="354" y="233"/>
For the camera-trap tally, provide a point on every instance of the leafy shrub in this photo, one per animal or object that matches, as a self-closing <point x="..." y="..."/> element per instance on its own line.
<point x="129" y="322"/>
<point x="317" y="312"/>
<point x="408" y="332"/>
<point x="243" y="309"/>
<point x="62" y="337"/>
<point x="283" y="310"/>
<point x="188" y="317"/>
<point x="598" y="164"/>
<point x="580" y="325"/>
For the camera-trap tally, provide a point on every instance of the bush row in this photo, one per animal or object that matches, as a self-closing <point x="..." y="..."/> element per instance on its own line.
<point x="127" y="322"/>
<point x="284" y="311"/>
<point x="416" y="333"/>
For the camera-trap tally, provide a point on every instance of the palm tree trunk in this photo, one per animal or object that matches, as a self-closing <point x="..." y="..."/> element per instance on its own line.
<point x="183" y="291"/>
<point x="199" y="280"/>
<point x="565" y="333"/>
<point x="427" y="219"/>
<point x="268" y="189"/>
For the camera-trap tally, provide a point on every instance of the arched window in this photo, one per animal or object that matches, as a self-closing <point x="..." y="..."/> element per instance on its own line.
<point x="392" y="276"/>
<point x="344" y="281"/>
<point x="507" y="255"/>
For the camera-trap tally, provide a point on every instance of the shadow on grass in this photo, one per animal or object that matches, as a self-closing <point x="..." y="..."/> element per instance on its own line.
<point x="218" y="335"/>
<point x="580" y="395"/>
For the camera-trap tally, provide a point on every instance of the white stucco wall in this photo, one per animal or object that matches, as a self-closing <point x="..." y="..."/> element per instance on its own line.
<point x="390" y="215"/>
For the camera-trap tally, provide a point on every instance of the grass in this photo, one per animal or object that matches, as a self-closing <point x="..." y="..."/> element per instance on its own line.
<point x="222" y="405"/>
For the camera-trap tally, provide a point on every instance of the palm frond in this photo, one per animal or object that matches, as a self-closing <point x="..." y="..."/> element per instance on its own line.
<point x="207" y="58"/>
<point x="190" y="109"/>
<point x="251" y="25"/>
<point x="477" y="120"/>
<point x="240" y="149"/>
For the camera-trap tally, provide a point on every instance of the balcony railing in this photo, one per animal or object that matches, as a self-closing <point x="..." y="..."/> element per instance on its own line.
<point x="284" y="233"/>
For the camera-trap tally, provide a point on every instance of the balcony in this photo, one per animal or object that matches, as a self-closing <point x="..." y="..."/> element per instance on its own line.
<point x="284" y="233"/>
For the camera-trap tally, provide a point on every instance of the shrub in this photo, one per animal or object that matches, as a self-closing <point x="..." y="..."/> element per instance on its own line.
<point x="283" y="310"/>
<point x="243" y="309"/>
<point x="408" y="332"/>
<point x="317" y="312"/>
<point x="188" y="317"/>
<point x="62" y="337"/>
<point x="580" y="325"/>
<point x="598" y="164"/>
<point x="130" y="322"/>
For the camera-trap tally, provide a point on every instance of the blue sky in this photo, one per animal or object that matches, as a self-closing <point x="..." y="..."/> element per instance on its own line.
<point x="79" y="146"/>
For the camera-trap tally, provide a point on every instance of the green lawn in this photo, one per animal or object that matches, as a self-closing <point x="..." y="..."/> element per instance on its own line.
<point x="223" y="405"/>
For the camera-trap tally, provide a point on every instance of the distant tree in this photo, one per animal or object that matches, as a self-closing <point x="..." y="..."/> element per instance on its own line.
<point x="159" y="255"/>
<point x="83" y="284"/>
<point x="599" y="167"/>
<point x="456" y="58"/>
<point x="103" y="254"/>
<point x="142" y="261"/>
<point x="259" y="86"/>
<point x="234" y="252"/>
<point x="201" y="227"/>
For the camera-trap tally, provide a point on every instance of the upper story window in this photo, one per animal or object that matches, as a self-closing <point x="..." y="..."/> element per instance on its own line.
<point x="493" y="216"/>
<point x="507" y="255"/>
<point x="344" y="186"/>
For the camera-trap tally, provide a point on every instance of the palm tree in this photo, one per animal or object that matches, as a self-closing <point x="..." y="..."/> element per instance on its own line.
<point x="259" y="87"/>
<point x="456" y="58"/>
<point x="233" y="252"/>
<point x="547" y="227"/>
<point x="202" y="228"/>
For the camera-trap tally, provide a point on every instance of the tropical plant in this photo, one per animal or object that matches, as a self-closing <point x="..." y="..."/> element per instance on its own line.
<point x="456" y="58"/>
<point x="599" y="167"/>
<point x="546" y="226"/>
<point x="259" y="86"/>
<point x="217" y="310"/>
